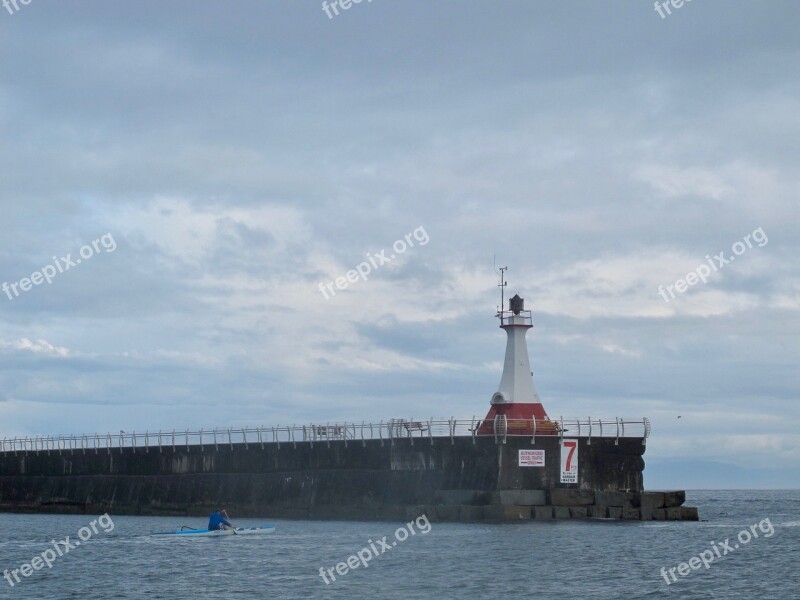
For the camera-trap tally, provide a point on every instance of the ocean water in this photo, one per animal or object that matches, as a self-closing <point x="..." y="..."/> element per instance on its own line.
<point x="569" y="559"/>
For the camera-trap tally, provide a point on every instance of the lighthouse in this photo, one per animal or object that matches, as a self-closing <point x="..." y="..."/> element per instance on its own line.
<point x="516" y="403"/>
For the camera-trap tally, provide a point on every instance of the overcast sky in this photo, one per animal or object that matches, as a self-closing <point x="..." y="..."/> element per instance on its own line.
<point x="240" y="154"/>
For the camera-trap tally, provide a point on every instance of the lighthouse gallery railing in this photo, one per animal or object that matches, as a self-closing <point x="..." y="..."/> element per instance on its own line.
<point x="329" y="433"/>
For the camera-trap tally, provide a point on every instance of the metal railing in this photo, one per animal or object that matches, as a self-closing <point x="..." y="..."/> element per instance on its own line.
<point x="385" y="431"/>
<point x="508" y="317"/>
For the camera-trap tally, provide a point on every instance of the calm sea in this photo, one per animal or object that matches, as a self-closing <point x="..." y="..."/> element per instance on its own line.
<point x="577" y="559"/>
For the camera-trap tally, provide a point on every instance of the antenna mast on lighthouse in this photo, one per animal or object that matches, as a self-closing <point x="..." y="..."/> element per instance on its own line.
<point x="502" y="285"/>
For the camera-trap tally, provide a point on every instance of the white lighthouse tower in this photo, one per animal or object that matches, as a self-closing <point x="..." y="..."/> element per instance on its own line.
<point x="516" y="385"/>
<point x="516" y="399"/>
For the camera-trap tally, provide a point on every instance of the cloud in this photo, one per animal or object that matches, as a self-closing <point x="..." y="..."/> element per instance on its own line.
<point x="39" y="347"/>
<point x="242" y="157"/>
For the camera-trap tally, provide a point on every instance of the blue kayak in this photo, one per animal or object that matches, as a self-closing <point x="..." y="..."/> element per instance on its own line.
<point x="188" y="532"/>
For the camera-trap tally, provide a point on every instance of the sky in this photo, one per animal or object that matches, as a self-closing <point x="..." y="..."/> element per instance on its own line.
<point x="230" y="161"/>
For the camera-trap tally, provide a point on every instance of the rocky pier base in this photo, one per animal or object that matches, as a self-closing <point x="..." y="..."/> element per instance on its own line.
<point x="556" y="503"/>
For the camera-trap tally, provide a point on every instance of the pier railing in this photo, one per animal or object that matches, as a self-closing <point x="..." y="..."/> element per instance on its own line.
<point x="328" y="433"/>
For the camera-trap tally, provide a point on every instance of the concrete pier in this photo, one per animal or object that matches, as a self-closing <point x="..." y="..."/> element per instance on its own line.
<point x="461" y="478"/>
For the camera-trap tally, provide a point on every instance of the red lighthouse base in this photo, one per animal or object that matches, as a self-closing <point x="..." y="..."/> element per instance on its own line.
<point x="519" y="418"/>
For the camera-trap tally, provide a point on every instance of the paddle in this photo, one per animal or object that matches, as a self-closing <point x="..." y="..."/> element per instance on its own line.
<point x="233" y="527"/>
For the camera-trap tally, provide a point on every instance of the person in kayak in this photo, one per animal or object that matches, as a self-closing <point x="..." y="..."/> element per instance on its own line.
<point x="218" y="521"/>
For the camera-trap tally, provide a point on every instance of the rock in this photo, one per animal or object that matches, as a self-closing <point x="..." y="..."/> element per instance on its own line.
<point x="494" y="512"/>
<point x="520" y="497"/>
<point x="631" y="514"/>
<point x="448" y="512"/>
<point x="517" y="512"/>
<point x="672" y="499"/>
<point x="456" y="496"/>
<point x="598" y="512"/>
<point x="471" y="497"/>
<point x="561" y="512"/>
<point x="578" y="512"/>
<point x="470" y="513"/>
<point x="614" y="512"/>
<point x="412" y="512"/>
<point x="542" y="513"/>
<point x="506" y="513"/>
<point x="652" y="500"/>
<point x="571" y="497"/>
<point x="674" y="513"/>
<point x="621" y="499"/>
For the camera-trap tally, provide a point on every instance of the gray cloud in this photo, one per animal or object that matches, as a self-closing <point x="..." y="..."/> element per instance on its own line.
<point x="242" y="155"/>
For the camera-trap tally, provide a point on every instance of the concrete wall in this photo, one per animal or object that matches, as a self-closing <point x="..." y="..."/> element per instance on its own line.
<point x="361" y="480"/>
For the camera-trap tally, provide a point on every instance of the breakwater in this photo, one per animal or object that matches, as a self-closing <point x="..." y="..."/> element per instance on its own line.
<point x="329" y="473"/>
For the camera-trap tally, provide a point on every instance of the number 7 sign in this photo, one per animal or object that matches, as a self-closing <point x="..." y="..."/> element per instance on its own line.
<point x="569" y="461"/>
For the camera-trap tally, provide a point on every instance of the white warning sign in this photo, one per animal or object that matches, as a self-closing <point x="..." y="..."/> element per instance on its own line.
<point x="569" y="461"/>
<point x="531" y="458"/>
